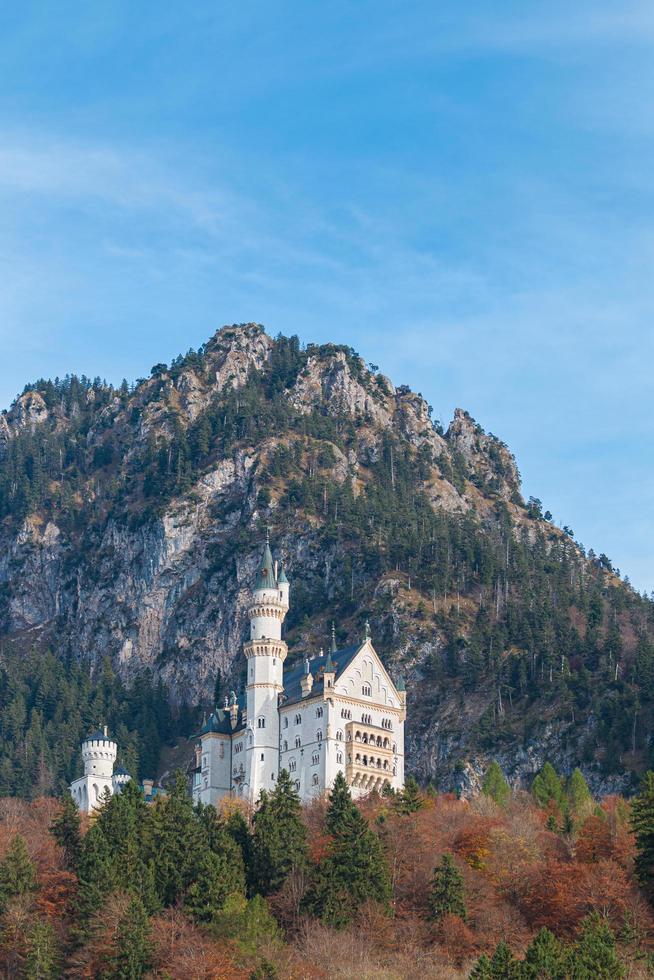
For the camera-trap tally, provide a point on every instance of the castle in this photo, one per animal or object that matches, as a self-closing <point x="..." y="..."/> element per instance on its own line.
<point x="99" y="755"/>
<point x="335" y="713"/>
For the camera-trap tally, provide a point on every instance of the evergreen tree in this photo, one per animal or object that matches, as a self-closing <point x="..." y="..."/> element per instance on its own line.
<point x="96" y="876"/>
<point x="482" y="970"/>
<point x="447" y="893"/>
<point x="173" y="841"/>
<point x="547" y="787"/>
<point x="495" y="785"/>
<point x="594" y="956"/>
<point x="42" y="959"/>
<point x="355" y="869"/>
<point x="65" y="829"/>
<point x="546" y="958"/>
<point x="132" y="952"/>
<point x="123" y="821"/>
<point x="279" y="838"/>
<point x="578" y="792"/>
<point x="642" y="823"/>
<point x="17" y="873"/>
<point x="409" y="800"/>
<point x="215" y="879"/>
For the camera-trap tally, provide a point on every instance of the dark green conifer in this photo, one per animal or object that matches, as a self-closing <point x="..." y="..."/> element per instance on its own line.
<point x="547" y="787"/>
<point x="65" y="829"/>
<point x="132" y="947"/>
<point x="42" y="956"/>
<point x="546" y="958"/>
<point x="355" y="869"/>
<point x="642" y="823"/>
<point x="594" y="956"/>
<point x="447" y="892"/>
<point x="173" y="841"/>
<point x="279" y="838"/>
<point x="495" y="785"/>
<point x="17" y="873"/>
<point x="409" y="800"/>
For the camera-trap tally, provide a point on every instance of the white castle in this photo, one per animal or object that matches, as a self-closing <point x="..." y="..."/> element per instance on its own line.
<point x="335" y="713"/>
<point x="99" y="755"/>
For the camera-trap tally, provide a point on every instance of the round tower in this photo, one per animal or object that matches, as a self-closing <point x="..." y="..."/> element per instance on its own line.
<point x="99" y="754"/>
<point x="265" y="653"/>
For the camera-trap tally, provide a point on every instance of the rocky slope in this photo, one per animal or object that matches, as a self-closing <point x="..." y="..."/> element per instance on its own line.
<point x="132" y="521"/>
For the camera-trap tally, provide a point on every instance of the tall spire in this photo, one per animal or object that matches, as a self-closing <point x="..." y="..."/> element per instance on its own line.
<point x="333" y="646"/>
<point x="265" y="575"/>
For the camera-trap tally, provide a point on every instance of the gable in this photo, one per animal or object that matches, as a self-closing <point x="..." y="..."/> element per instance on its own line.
<point x="367" y="669"/>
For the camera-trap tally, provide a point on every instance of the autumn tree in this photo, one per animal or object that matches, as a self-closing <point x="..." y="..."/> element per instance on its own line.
<point x="447" y="893"/>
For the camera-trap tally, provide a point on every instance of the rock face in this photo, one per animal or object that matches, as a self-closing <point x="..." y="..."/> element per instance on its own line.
<point x="140" y="541"/>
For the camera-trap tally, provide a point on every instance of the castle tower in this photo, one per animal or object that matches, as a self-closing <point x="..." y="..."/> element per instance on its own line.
<point x="265" y="653"/>
<point x="99" y="755"/>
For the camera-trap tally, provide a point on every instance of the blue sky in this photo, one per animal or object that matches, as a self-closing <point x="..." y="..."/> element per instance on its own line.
<point x="462" y="192"/>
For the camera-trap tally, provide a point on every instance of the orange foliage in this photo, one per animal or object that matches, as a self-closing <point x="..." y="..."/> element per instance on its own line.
<point x="181" y="951"/>
<point x="594" y="841"/>
<point x="472" y="843"/>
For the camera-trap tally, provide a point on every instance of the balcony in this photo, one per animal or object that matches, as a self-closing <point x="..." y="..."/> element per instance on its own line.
<point x="370" y="761"/>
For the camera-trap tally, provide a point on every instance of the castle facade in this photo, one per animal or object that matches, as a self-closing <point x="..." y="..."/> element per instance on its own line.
<point x="339" y="712"/>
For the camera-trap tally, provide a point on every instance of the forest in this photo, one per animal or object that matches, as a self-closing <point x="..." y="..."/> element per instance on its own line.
<point x="545" y="884"/>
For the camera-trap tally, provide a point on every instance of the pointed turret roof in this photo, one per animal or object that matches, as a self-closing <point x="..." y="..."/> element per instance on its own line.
<point x="265" y="574"/>
<point x="400" y="684"/>
<point x="282" y="580"/>
<point x="333" y="646"/>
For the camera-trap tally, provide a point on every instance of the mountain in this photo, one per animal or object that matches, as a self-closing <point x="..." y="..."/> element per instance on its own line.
<point x="132" y="519"/>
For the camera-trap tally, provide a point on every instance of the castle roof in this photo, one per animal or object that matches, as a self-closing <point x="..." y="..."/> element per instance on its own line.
<point x="220" y="723"/>
<point x="121" y="771"/>
<point x="98" y="736"/>
<point x="265" y="575"/>
<point x="339" y="661"/>
<point x="282" y="580"/>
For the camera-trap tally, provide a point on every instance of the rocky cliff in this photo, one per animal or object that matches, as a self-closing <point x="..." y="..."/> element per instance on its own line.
<point x="132" y="520"/>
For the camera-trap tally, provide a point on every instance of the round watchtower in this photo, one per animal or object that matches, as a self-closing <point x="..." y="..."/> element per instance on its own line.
<point x="99" y="754"/>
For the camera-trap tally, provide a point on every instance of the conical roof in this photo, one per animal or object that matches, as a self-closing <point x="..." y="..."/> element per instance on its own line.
<point x="282" y="580"/>
<point x="265" y="575"/>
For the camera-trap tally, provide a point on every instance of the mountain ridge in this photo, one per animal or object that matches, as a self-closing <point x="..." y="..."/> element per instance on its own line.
<point x="131" y="520"/>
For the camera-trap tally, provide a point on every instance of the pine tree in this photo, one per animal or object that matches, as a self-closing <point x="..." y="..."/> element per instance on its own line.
<point x="17" y="873"/>
<point x="546" y="958"/>
<point x="482" y="970"/>
<point x="279" y="839"/>
<point x="132" y="952"/>
<point x="447" y="893"/>
<point x="578" y="792"/>
<point x="96" y="876"/>
<point x="495" y="785"/>
<point x="642" y="823"/>
<point x="42" y="959"/>
<point x="65" y="829"/>
<point x="355" y="869"/>
<point x="409" y="800"/>
<point x="547" y="787"/>
<point x="216" y="877"/>
<point x="173" y="841"/>
<point x="594" y="956"/>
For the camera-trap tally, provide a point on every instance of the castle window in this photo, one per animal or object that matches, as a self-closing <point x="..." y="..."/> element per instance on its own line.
<point x="292" y="766"/>
<point x="298" y="741"/>
<point x="285" y="722"/>
<point x="339" y="757"/>
<point x="297" y="785"/>
<point x="261" y="722"/>
<point x="339" y="736"/>
<point x="272" y="776"/>
<point x="285" y="748"/>
<point x="315" y="759"/>
<point x="318" y="712"/>
<point x="262" y="756"/>
<point x="318" y="736"/>
<point x="315" y="779"/>
<point x="366" y="690"/>
<point x="298" y="719"/>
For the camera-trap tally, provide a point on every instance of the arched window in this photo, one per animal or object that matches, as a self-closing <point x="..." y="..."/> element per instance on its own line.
<point x="285" y="722"/>
<point x="298" y="741"/>
<point x="339" y="736"/>
<point x="315" y="779"/>
<point x="319" y="712"/>
<point x="366" y="690"/>
<point x="297" y="785"/>
<point x="292" y="765"/>
<point x="339" y="757"/>
<point x="261" y="722"/>
<point x="315" y="759"/>
<point x="318" y="736"/>
<point x="285" y="746"/>
<point x="298" y="719"/>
